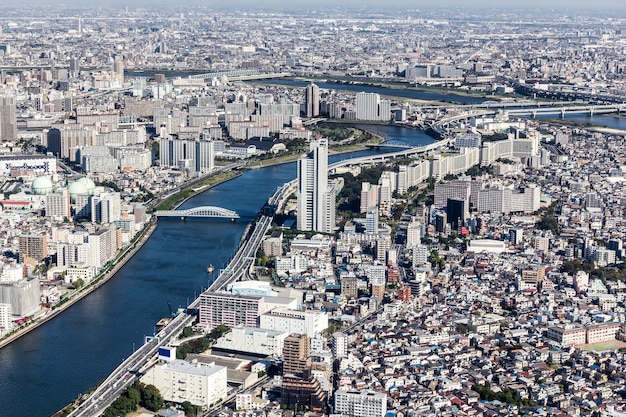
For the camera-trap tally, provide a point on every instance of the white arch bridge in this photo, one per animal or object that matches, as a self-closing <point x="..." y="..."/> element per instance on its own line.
<point x="202" y="211"/>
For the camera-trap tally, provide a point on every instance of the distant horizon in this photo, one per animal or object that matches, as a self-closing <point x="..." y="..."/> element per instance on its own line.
<point x="557" y="5"/>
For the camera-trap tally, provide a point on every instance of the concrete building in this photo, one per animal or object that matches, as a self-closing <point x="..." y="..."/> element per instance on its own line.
<point x="231" y="310"/>
<point x="360" y="403"/>
<point x="8" y="118"/>
<point x="23" y="296"/>
<point x="316" y="204"/>
<point x="33" y="249"/>
<point x="253" y="340"/>
<point x="200" y="152"/>
<point x="312" y="100"/>
<point x="179" y="381"/>
<point x="37" y="164"/>
<point x="106" y="207"/>
<point x="296" y="350"/>
<point x="295" y="321"/>
<point x="369" y="106"/>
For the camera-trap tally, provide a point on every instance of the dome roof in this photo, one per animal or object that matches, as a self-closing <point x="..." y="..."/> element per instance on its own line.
<point x="77" y="188"/>
<point x="41" y="186"/>
<point x="88" y="183"/>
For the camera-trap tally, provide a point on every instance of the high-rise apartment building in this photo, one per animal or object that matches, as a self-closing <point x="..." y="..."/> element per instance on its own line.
<point x="312" y="100"/>
<point x="8" y="118"/>
<point x="369" y="106"/>
<point x="33" y="248"/>
<point x="296" y="349"/>
<point x="201" y="153"/>
<point x="316" y="205"/>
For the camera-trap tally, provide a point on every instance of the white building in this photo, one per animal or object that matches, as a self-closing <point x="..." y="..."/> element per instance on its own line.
<point x="369" y="106"/>
<point x="360" y="403"/>
<point x="254" y="340"/>
<point x="6" y="321"/>
<point x="179" y="381"/>
<point x="295" y="321"/>
<point x="316" y="206"/>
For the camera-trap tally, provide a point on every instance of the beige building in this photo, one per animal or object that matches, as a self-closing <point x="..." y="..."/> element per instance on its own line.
<point x="179" y="381"/>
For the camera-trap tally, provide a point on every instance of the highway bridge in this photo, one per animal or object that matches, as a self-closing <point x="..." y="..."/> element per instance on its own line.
<point x="240" y="75"/>
<point x="202" y="211"/>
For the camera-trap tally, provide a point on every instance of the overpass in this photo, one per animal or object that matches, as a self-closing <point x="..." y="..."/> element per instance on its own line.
<point x="240" y="75"/>
<point x="202" y="211"/>
<point x="563" y="110"/>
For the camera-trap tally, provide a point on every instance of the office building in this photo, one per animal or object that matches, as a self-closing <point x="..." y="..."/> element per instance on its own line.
<point x="312" y="100"/>
<point x="22" y="295"/>
<point x="253" y="340"/>
<point x="294" y="321"/>
<point x="202" y="384"/>
<point x="8" y="119"/>
<point x="457" y="212"/>
<point x="360" y="403"/>
<point x="316" y="201"/>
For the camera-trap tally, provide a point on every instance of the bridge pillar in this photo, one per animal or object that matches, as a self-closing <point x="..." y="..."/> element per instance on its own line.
<point x="562" y="113"/>
<point x="534" y="114"/>
<point x="591" y="111"/>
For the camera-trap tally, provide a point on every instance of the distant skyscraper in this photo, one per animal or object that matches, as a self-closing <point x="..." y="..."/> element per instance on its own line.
<point x="74" y="67"/>
<point x="118" y="68"/>
<point x="316" y="206"/>
<point x="8" y="118"/>
<point x="312" y="100"/>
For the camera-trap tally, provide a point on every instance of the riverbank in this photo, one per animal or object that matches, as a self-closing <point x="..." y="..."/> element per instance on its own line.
<point x="122" y="258"/>
<point x="118" y="262"/>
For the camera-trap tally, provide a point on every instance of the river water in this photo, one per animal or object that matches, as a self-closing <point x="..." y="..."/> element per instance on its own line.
<point x="46" y="369"/>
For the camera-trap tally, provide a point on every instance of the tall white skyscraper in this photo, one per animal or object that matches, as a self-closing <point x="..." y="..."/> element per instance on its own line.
<point x="312" y="100"/>
<point x="315" y="204"/>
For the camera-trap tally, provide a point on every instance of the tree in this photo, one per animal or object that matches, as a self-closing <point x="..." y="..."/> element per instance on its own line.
<point x="151" y="398"/>
<point x="190" y="409"/>
<point x="78" y="283"/>
<point x="187" y="332"/>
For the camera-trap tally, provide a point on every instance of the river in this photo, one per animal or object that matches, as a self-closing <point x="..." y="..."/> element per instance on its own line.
<point x="46" y="369"/>
<point x="602" y="120"/>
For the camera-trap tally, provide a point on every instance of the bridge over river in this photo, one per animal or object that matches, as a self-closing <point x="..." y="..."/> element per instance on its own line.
<point x="203" y="211"/>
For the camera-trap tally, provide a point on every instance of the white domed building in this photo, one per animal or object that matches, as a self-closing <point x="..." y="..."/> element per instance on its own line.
<point x="89" y="185"/>
<point x="76" y="189"/>
<point x="42" y="186"/>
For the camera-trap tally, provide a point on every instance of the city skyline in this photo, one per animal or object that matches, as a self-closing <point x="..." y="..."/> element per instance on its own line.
<point x="349" y="4"/>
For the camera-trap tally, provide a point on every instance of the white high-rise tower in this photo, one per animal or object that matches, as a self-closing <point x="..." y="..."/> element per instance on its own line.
<point x="316" y="205"/>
